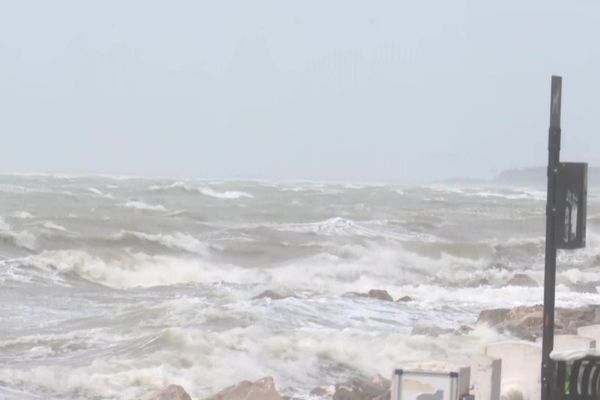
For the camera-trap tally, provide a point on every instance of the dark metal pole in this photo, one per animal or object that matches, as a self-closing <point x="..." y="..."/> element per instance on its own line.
<point x="550" y="267"/>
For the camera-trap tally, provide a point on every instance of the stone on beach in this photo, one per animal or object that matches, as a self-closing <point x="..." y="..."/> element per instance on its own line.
<point x="374" y="388"/>
<point x="171" y="392"/>
<point x="262" y="389"/>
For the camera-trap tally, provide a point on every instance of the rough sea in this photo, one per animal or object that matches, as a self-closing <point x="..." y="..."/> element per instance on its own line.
<point x="111" y="287"/>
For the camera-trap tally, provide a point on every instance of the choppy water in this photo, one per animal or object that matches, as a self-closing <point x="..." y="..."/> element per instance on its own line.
<point x="111" y="287"/>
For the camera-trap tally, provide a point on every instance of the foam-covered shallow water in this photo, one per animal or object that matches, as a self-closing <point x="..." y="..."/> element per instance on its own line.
<point x="111" y="287"/>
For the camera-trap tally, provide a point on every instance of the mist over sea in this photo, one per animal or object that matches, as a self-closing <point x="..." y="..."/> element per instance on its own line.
<point x="113" y="287"/>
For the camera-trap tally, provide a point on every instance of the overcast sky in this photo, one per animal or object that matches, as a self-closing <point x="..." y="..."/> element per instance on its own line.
<point x="400" y="91"/>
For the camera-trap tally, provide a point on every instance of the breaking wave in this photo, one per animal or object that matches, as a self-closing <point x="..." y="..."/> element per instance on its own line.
<point x="54" y="226"/>
<point x="23" y="215"/>
<point x="22" y="239"/>
<point x="130" y="270"/>
<point x="205" y="190"/>
<point x="175" y="240"/>
<point x="224" y="195"/>
<point x="140" y="205"/>
<point x="100" y="193"/>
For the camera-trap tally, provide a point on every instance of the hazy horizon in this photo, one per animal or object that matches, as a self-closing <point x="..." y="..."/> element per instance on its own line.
<point x="336" y="91"/>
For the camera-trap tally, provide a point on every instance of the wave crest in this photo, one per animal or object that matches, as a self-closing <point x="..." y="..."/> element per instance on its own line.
<point x="132" y="270"/>
<point x="205" y="190"/>
<point x="175" y="240"/>
<point x="140" y="205"/>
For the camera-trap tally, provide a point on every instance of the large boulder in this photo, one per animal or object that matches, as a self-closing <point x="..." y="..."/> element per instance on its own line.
<point x="377" y="294"/>
<point x="270" y="294"/>
<point x="171" y="392"/>
<point x="323" y="391"/>
<point x="526" y="321"/>
<point x="262" y="389"/>
<point x="374" y="388"/>
<point x="380" y="295"/>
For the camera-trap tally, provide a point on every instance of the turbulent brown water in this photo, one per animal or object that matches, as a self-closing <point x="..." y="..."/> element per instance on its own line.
<point x="111" y="287"/>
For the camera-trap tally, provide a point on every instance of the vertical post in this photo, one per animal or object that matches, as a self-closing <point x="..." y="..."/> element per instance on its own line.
<point x="550" y="262"/>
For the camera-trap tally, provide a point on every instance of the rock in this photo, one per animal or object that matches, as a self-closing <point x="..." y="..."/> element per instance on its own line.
<point x="270" y="294"/>
<point x="526" y="321"/>
<point x="464" y="329"/>
<point x="373" y="294"/>
<point x="363" y="389"/>
<point x="404" y="299"/>
<point x="522" y="280"/>
<point x="171" y="392"/>
<point x="380" y="295"/>
<point x="380" y="382"/>
<point x="262" y="389"/>
<point x="323" y="391"/>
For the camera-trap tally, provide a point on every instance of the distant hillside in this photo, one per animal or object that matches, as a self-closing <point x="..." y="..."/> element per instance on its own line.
<point x="536" y="176"/>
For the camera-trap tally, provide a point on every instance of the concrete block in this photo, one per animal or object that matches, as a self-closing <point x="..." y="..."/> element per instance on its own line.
<point x="521" y="368"/>
<point x="485" y="374"/>
<point x="590" y="331"/>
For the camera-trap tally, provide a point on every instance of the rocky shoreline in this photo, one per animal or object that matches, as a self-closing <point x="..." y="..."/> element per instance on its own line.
<point x="522" y="322"/>
<point x="374" y="388"/>
<point x="525" y="322"/>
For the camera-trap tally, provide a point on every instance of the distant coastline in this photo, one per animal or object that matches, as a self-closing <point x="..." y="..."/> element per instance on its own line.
<point x="530" y="177"/>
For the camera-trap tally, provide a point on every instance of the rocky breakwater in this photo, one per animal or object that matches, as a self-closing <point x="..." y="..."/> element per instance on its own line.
<point x="525" y="322"/>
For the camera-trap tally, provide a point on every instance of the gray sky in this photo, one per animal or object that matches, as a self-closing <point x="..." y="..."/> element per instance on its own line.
<point x="398" y="91"/>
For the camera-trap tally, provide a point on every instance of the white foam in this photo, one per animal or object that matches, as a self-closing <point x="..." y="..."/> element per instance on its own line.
<point x="95" y="191"/>
<point x="54" y="226"/>
<point x="99" y="193"/>
<point x="537" y="195"/>
<point x="131" y="270"/>
<point x="224" y="195"/>
<point x="205" y="190"/>
<point x="205" y="361"/>
<point x="140" y="205"/>
<point x="23" y="239"/>
<point x="175" y="185"/>
<point x="23" y="215"/>
<point x="336" y="226"/>
<point x="576" y="275"/>
<point x="175" y="240"/>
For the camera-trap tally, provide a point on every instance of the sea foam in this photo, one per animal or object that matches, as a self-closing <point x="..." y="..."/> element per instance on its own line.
<point x="140" y="205"/>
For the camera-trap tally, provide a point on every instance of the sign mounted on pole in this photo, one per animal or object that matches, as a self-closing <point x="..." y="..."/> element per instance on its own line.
<point x="571" y="202"/>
